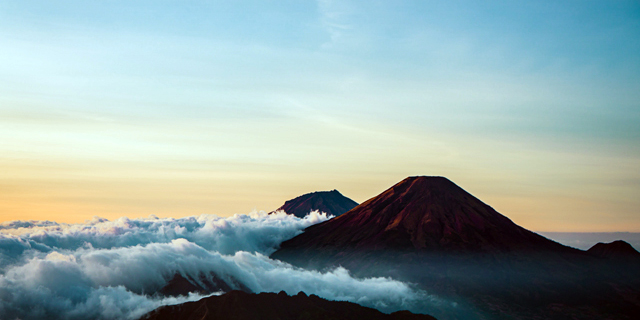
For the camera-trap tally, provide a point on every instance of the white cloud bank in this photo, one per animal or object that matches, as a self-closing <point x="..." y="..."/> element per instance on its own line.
<point x="111" y="270"/>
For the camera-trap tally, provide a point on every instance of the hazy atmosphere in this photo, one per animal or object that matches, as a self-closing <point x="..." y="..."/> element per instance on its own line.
<point x="182" y="108"/>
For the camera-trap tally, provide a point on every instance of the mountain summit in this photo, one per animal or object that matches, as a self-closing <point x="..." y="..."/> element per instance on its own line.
<point x="614" y="250"/>
<point x="332" y="202"/>
<point x="427" y="214"/>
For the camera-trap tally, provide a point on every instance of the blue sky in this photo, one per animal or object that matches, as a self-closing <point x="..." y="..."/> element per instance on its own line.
<point x="132" y="108"/>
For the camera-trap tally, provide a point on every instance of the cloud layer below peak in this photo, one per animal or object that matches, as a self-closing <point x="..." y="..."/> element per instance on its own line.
<point x="114" y="269"/>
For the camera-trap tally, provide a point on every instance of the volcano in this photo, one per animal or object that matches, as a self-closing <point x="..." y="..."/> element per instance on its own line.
<point x="331" y="202"/>
<point x="423" y="214"/>
<point x="430" y="232"/>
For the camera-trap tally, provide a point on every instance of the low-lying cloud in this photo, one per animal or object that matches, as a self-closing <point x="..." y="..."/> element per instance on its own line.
<point x="113" y="269"/>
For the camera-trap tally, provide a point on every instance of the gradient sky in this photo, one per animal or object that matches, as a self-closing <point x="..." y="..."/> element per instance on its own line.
<point x="176" y="108"/>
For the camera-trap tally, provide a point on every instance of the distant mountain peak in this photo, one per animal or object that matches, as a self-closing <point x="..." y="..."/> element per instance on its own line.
<point x="614" y="250"/>
<point x="332" y="202"/>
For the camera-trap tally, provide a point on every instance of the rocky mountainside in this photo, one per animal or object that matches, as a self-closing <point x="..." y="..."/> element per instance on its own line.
<point x="239" y="305"/>
<point x="332" y="202"/>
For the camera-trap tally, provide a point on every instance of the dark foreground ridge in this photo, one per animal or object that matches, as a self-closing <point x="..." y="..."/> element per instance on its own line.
<point x="430" y="232"/>
<point x="332" y="202"/>
<point x="247" y="306"/>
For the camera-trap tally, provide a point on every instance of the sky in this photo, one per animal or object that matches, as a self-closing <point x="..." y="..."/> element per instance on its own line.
<point x="179" y="108"/>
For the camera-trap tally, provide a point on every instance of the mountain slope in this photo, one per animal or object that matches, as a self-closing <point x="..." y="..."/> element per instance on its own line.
<point x="332" y="202"/>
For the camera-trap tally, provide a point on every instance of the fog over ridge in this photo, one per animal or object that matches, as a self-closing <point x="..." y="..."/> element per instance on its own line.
<point x="108" y="269"/>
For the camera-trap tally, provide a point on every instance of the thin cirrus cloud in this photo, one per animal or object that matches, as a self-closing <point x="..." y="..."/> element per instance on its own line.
<point x="101" y="102"/>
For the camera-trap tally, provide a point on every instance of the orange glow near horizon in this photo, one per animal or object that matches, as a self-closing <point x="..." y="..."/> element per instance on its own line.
<point x="540" y="189"/>
<point x="76" y="201"/>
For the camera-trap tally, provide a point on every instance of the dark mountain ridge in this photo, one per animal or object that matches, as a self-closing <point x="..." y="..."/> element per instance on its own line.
<point x="332" y="202"/>
<point x="240" y="305"/>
